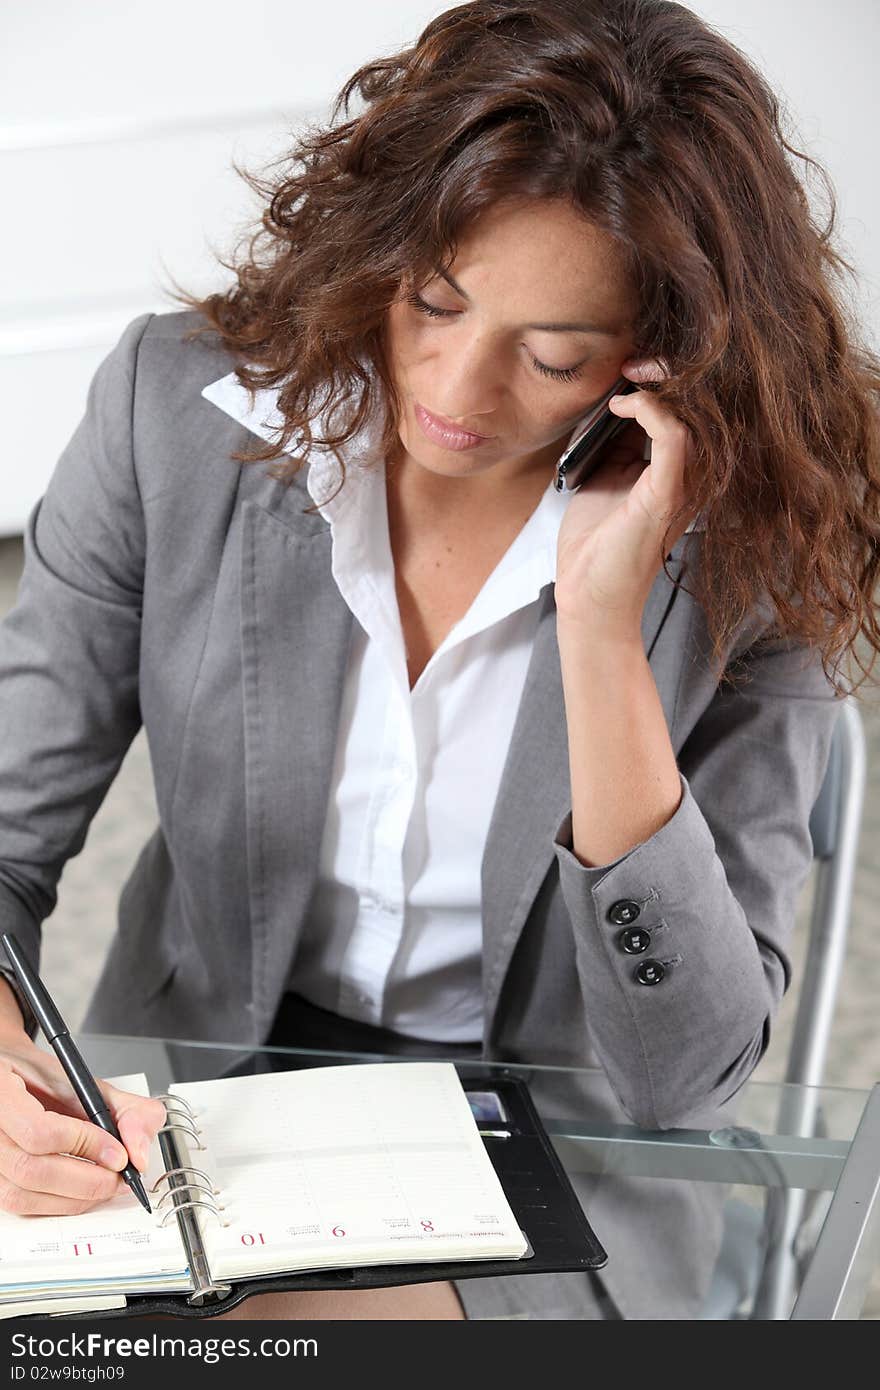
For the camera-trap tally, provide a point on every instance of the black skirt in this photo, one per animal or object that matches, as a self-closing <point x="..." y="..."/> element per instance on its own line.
<point x="299" y="1023"/>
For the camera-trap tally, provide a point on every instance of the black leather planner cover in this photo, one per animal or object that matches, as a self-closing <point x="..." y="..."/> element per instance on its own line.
<point x="534" y="1182"/>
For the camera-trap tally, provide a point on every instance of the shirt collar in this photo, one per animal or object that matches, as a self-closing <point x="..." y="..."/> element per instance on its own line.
<point x="263" y="418"/>
<point x="528" y="564"/>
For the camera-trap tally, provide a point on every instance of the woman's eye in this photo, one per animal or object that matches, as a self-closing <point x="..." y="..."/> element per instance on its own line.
<point x="556" y="373"/>
<point x="418" y="303"/>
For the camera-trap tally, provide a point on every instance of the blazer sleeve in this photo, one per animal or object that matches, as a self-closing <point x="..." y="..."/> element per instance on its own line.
<point x="69" y="651"/>
<point x="716" y="887"/>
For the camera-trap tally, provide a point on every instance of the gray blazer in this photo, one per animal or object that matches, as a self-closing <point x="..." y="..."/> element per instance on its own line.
<point x="167" y="585"/>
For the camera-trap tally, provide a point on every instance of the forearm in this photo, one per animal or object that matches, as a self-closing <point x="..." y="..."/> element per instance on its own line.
<point x="625" y="782"/>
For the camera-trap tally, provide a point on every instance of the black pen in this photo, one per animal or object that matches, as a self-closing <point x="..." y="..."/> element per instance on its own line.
<point x="69" y="1055"/>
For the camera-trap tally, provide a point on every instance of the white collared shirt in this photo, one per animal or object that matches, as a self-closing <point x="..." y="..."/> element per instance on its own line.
<point x="393" y="933"/>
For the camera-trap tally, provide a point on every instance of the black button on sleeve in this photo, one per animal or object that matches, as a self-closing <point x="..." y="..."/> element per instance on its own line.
<point x="623" y="912"/>
<point x="634" y="940"/>
<point x="650" y="972"/>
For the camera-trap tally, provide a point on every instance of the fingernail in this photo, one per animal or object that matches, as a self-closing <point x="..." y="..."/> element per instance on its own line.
<point x="652" y="370"/>
<point x="112" y="1157"/>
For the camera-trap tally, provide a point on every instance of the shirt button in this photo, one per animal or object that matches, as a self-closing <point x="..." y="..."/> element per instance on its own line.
<point x="634" y="940"/>
<point x="650" y="972"/>
<point x="623" y="912"/>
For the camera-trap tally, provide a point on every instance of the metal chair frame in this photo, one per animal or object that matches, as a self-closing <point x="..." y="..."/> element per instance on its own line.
<point x="835" y="827"/>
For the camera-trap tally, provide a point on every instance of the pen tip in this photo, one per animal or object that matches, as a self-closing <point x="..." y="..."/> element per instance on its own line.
<point x="138" y="1189"/>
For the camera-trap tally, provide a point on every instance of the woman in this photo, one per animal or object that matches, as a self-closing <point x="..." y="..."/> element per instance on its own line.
<point x="449" y="762"/>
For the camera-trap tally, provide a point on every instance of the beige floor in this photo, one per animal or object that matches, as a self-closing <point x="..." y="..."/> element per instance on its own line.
<point x="78" y="931"/>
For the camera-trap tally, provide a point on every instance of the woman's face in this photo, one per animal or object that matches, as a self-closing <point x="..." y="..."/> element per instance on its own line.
<point x="482" y="361"/>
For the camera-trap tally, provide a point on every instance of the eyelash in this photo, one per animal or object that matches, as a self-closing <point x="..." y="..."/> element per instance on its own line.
<point x="556" y="373"/>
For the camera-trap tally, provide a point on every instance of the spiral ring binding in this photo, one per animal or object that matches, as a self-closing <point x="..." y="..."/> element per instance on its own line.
<point x="166" y="1097"/>
<point x="193" y="1202"/>
<point x="185" y="1169"/>
<point x="172" y="1103"/>
<point x="189" y="1186"/>
<point x="191" y="1133"/>
<point x="185" y="1121"/>
<point x="205" y="1287"/>
<point x="176" y="1114"/>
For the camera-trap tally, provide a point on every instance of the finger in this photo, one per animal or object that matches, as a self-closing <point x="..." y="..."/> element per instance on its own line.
<point x="664" y="488"/>
<point x="40" y="1130"/>
<point x="47" y="1081"/>
<point x="32" y="1184"/>
<point x="29" y="1126"/>
<point x="655" y="419"/>
<point x="627" y="443"/>
<point x="138" y="1118"/>
<point x="22" y="1203"/>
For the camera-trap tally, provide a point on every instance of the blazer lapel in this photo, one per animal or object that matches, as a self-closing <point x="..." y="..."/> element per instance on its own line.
<point x="534" y="794"/>
<point x="295" y="632"/>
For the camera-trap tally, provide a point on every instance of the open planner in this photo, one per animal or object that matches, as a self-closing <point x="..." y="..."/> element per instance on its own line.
<point x="344" y="1176"/>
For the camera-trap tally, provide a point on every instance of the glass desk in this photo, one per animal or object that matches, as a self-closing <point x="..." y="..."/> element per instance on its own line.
<point x="802" y="1165"/>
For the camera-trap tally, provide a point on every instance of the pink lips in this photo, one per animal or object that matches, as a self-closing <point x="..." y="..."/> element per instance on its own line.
<point x="447" y="436"/>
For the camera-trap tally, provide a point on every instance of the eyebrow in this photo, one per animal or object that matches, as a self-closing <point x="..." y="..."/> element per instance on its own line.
<point x="543" y="327"/>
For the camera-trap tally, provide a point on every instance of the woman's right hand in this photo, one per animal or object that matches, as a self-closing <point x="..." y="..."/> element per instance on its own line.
<point x="53" y="1161"/>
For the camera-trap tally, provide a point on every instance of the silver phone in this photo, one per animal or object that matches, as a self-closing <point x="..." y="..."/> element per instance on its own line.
<point x="591" y="434"/>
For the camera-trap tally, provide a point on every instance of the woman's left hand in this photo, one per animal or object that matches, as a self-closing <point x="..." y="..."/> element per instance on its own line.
<point x="609" y="550"/>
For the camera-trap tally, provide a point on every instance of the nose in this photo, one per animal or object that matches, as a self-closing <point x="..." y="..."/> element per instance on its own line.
<point x="470" y="382"/>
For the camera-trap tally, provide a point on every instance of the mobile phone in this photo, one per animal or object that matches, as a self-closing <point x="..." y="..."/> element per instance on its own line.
<point x="591" y="434"/>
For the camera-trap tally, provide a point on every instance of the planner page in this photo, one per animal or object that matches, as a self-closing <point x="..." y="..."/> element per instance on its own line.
<point x="117" y="1245"/>
<point x="57" y="1307"/>
<point x="373" y="1163"/>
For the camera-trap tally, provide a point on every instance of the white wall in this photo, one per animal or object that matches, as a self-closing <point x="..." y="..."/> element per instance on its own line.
<point x="118" y="123"/>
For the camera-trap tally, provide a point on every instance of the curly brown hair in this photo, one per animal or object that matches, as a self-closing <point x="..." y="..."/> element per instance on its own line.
<point x="664" y="135"/>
